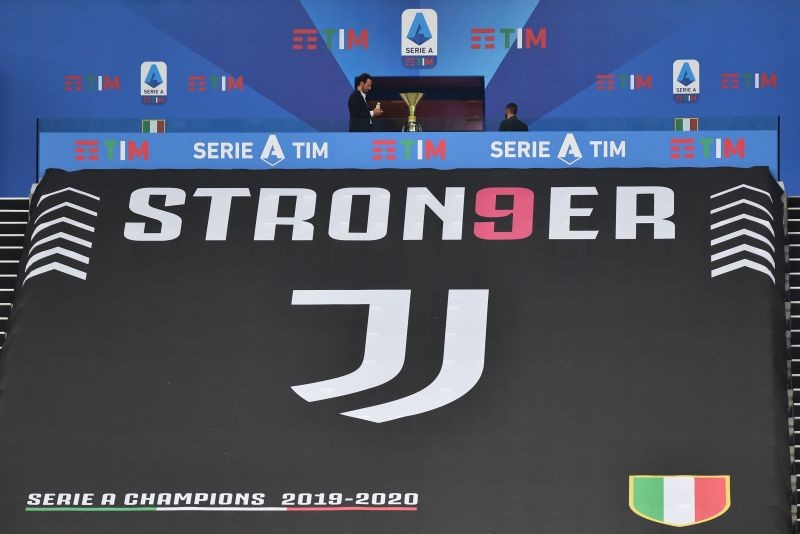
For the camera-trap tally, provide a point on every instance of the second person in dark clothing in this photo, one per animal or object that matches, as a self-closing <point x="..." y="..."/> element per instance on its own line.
<point x="512" y="123"/>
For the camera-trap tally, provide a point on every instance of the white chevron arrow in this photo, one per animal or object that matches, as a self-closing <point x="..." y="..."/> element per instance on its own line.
<point x="55" y="266"/>
<point x="762" y="222"/>
<point x="62" y="235"/>
<point x="742" y="186"/>
<point x="66" y="189"/>
<point x="53" y="251"/>
<point x="743" y="201"/>
<point x="743" y="248"/>
<point x="65" y="205"/>
<point x="742" y="264"/>
<point x="65" y="220"/>
<point x="737" y="233"/>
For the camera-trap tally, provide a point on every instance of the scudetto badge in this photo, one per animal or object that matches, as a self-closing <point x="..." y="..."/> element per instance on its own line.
<point x="679" y="501"/>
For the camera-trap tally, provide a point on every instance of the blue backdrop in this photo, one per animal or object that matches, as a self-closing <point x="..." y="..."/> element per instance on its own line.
<point x="52" y="51"/>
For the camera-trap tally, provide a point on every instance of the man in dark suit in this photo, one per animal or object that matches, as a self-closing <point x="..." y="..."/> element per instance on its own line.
<point x="512" y="123"/>
<point x="360" y="114"/>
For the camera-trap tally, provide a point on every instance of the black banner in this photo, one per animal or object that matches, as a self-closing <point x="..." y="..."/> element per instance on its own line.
<point x="391" y="352"/>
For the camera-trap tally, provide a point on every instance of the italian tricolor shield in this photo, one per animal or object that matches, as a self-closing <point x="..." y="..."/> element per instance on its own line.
<point x="679" y="501"/>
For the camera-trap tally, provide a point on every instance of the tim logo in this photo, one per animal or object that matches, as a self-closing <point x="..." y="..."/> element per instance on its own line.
<point x="385" y="350"/>
<point x="110" y="150"/>
<point x="334" y="39"/>
<point x="200" y="83"/>
<point x="624" y="82"/>
<point x="410" y="149"/>
<point x="748" y="80"/>
<point x="76" y="83"/>
<point x="520" y="38"/>
<point x="419" y="39"/>
<point x="710" y="148"/>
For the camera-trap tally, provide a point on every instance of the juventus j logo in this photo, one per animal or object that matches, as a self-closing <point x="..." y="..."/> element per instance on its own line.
<point x="385" y="350"/>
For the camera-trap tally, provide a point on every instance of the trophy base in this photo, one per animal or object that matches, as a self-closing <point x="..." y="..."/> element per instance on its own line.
<point x="412" y="127"/>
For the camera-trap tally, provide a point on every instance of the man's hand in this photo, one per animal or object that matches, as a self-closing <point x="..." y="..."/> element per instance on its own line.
<point x="377" y="112"/>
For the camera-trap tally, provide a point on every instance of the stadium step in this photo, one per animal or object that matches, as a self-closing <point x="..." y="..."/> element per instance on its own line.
<point x="14" y="240"/>
<point x="13" y="221"/>
<point x="10" y="253"/>
<point x="793" y="219"/>
<point x="7" y="282"/>
<point x="18" y="203"/>
<point x="5" y="310"/>
<point x="7" y="215"/>
<point x="9" y="266"/>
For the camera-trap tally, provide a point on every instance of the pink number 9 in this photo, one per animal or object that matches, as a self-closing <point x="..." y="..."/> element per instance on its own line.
<point x="521" y="213"/>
